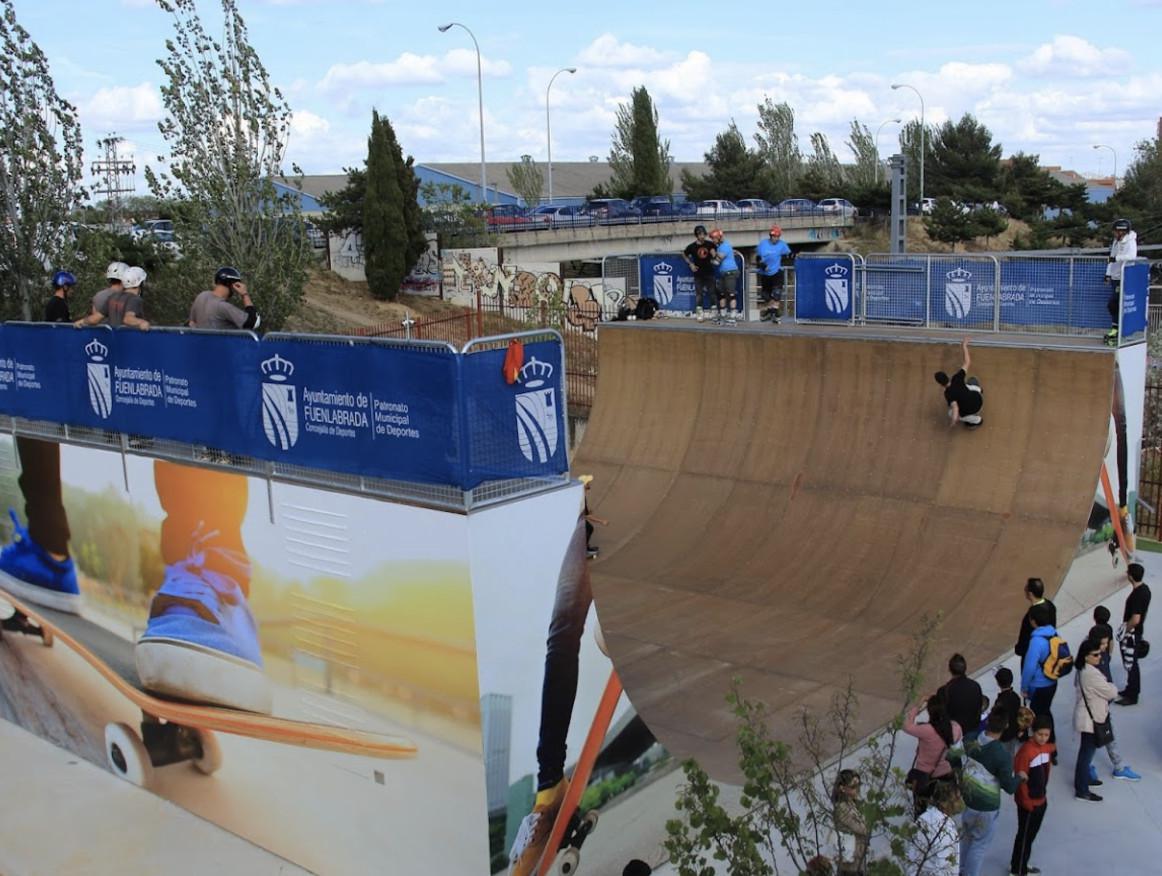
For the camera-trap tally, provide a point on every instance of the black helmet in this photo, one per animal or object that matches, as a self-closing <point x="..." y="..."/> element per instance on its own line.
<point x="226" y="276"/>
<point x="1122" y="225"/>
<point x="699" y="229"/>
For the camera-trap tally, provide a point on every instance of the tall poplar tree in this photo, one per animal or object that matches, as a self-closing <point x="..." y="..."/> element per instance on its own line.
<point x="640" y="160"/>
<point x="384" y="231"/>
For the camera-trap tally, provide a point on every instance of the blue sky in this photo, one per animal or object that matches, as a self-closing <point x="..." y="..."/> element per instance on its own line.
<point x="1052" y="77"/>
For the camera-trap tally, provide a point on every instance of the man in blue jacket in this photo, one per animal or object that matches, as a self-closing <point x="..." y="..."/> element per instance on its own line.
<point x="1036" y="686"/>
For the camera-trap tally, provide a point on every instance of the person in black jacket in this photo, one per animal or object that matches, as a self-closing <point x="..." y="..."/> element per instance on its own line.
<point x="1035" y="594"/>
<point x="962" y="695"/>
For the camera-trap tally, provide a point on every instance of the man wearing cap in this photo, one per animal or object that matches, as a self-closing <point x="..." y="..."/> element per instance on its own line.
<point x="121" y="307"/>
<point x="212" y="309"/>
<point x="769" y="260"/>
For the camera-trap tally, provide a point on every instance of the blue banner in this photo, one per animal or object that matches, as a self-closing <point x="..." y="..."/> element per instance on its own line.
<point x="396" y="411"/>
<point x="518" y="428"/>
<point x="1042" y="292"/>
<point x="380" y="411"/>
<point x="1135" y="297"/>
<point x="825" y="288"/>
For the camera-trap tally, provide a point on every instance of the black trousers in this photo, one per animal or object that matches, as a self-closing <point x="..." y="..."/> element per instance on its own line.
<point x="1041" y="702"/>
<point x="1028" y="825"/>
<point x="40" y="482"/>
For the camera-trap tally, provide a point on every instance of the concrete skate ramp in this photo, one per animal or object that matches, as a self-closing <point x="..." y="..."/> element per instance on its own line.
<point x="786" y="508"/>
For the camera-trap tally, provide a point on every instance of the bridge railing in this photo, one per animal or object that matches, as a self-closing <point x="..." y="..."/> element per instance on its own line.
<point x="1011" y="292"/>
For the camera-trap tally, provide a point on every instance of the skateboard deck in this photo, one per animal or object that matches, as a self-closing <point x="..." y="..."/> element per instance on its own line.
<point x="173" y="731"/>
<point x="563" y="850"/>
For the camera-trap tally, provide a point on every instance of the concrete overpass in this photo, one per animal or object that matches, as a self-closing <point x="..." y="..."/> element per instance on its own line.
<point x="662" y="235"/>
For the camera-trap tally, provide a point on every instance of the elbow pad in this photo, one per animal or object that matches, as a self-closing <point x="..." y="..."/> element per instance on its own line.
<point x="253" y="320"/>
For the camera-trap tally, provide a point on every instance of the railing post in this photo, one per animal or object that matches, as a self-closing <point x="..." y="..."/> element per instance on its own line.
<point x="928" y="292"/>
<point x="996" y="294"/>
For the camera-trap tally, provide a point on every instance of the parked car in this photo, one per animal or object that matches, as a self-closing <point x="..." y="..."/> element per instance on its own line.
<point x="840" y="206"/>
<point x="755" y="205"/>
<point x="606" y="209"/>
<point x="662" y="205"/>
<point x="927" y="205"/>
<point x="557" y="215"/>
<point x="718" y="207"/>
<point x="505" y="215"/>
<point x="796" y="205"/>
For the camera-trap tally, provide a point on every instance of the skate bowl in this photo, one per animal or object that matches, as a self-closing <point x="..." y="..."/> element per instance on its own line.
<point x="786" y="507"/>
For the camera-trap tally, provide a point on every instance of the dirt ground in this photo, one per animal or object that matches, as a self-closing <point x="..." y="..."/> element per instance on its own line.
<point x="334" y="305"/>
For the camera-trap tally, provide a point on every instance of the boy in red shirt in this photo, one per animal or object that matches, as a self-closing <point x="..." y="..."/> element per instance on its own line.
<point x="1031" y="765"/>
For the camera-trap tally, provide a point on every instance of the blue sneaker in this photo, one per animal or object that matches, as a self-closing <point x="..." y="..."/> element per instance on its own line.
<point x="201" y="642"/>
<point x="1128" y="774"/>
<point x="29" y="572"/>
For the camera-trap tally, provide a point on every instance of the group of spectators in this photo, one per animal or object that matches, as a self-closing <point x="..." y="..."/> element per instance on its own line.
<point x="970" y="753"/>
<point x="122" y="302"/>
<point x="711" y="258"/>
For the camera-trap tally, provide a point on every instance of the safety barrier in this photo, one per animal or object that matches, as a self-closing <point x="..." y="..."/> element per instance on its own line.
<point x="418" y="419"/>
<point x="1012" y="292"/>
<point x="666" y="278"/>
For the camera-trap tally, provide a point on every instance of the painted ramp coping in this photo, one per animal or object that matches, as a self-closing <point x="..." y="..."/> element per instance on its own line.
<point x="787" y="507"/>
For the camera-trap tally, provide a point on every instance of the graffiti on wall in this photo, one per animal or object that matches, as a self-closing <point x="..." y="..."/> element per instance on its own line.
<point x="424" y="278"/>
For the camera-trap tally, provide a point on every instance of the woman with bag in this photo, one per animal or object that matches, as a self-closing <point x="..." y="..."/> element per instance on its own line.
<point x="1091" y="715"/>
<point x="933" y="741"/>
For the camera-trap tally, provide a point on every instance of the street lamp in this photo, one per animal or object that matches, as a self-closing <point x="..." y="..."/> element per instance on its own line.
<point x="880" y="128"/>
<point x="549" y="130"/>
<point x="1115" y="152"/>
<point x="480" y="97"/>
<point x="919" y="95"/>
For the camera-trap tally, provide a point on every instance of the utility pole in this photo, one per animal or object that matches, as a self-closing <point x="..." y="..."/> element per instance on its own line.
<point x="116" y="174"/>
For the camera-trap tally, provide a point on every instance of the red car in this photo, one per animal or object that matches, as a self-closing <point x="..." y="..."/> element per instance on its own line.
<point x="502" y="215"/>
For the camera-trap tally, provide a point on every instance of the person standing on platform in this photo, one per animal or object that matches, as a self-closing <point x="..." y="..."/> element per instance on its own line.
<point x="726" y="277"/>
<point x="1123" y="249"/>
<point x="702" y="258"/>
<point x="1035" y="595"/>
<point x="769" y="255"/>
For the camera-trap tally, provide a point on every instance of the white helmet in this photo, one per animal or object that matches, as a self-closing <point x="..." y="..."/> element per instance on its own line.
<point x="132" y="278"/>
<point x="115" y="271"/>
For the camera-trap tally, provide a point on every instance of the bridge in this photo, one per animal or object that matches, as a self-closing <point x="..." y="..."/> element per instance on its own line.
<point x="660" y="234"/>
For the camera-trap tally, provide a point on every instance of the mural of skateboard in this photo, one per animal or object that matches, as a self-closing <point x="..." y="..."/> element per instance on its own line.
<point x="562" y="853"/>
<point x="173" y="731"/>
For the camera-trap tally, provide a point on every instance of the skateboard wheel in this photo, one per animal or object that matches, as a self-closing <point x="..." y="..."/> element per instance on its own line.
<point x="568" y="862"/>
<point x="589" y="822"/>
<point x="127" y="755"/>
<point x="211" y="760"/>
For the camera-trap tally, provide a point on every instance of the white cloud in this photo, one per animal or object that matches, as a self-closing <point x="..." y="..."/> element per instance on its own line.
<point x="305" y="123"/>
<point x="1074" y="56"/>
<point x="121" y="107"/>
<point x="462" y="62"/>
<point x="608" y="51"/>
<point x="409" y="69"/>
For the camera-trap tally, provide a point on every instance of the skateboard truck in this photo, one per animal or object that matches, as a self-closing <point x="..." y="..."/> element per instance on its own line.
<point x="18" y="622"/>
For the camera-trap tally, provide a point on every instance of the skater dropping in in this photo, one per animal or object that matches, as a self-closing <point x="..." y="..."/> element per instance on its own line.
<point x="962" y="393"/>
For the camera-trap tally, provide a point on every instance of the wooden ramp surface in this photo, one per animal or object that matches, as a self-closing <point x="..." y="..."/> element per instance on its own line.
<point x="787" y="507"/>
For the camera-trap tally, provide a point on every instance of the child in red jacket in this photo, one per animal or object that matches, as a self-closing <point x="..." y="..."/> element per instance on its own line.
<point x="1031" y="765"/>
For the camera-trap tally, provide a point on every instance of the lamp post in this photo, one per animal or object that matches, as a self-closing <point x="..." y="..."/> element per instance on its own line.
<point x="548" y="129"/>
<point x="1115" y="152"/>
<point x="480" y="98"/>
<point x="880" y="128"/>
<point x="919" y="95"/>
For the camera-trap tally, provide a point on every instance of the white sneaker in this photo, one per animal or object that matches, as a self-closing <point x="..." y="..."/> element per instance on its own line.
<point x="698" y="315"/>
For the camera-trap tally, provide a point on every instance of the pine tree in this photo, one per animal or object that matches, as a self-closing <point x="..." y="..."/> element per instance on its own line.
<point x="385" y="236"/>
<point x="409" y="187"/>
<point x="735" y="171"/>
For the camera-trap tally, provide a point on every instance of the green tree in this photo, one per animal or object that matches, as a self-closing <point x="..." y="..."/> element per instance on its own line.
<point x="1140" y="197"/>
<point x="988" y="223"/>
<point x="786" y="802"/>
<point x="409" y="186"/>
<point x="964" y="163"/>
<point x="384" y="232"/>
<point x="226" y="127"/>
<point x="344" y="207"/>
<point x="527" y="180"/>
<point x="779" y="149"/>
<point x="735" y="171"/>
<point x="862" y="144"/>
<point x="40" y="168"/>
<point x="450" y="211"/>
<point x="640" y="160"/>
<point x="950" y="223"/>
<point x="1026" y="188"/>
<point x="823" y="177"/>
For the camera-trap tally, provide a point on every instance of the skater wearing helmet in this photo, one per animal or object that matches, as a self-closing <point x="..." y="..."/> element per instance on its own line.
<point x="113" y="276"/>
<point x="726" y="276"/>
<point x="212" y="309"/>
<point x="57" y="308"/>
<point x="962" y="393"/>
<point x="1123" y="249"/>
<point x="769" y="261"/>
<point x="702" y="257"/>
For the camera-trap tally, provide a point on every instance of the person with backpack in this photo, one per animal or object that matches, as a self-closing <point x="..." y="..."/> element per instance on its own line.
<point x="987" y="770"/>
<point x="1094" y="695"/>
<point x="934" y="739"/>
<point x="1045" y="662"/>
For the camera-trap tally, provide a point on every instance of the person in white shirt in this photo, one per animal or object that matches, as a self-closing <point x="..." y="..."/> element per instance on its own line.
<point x="1123" y="249"/>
